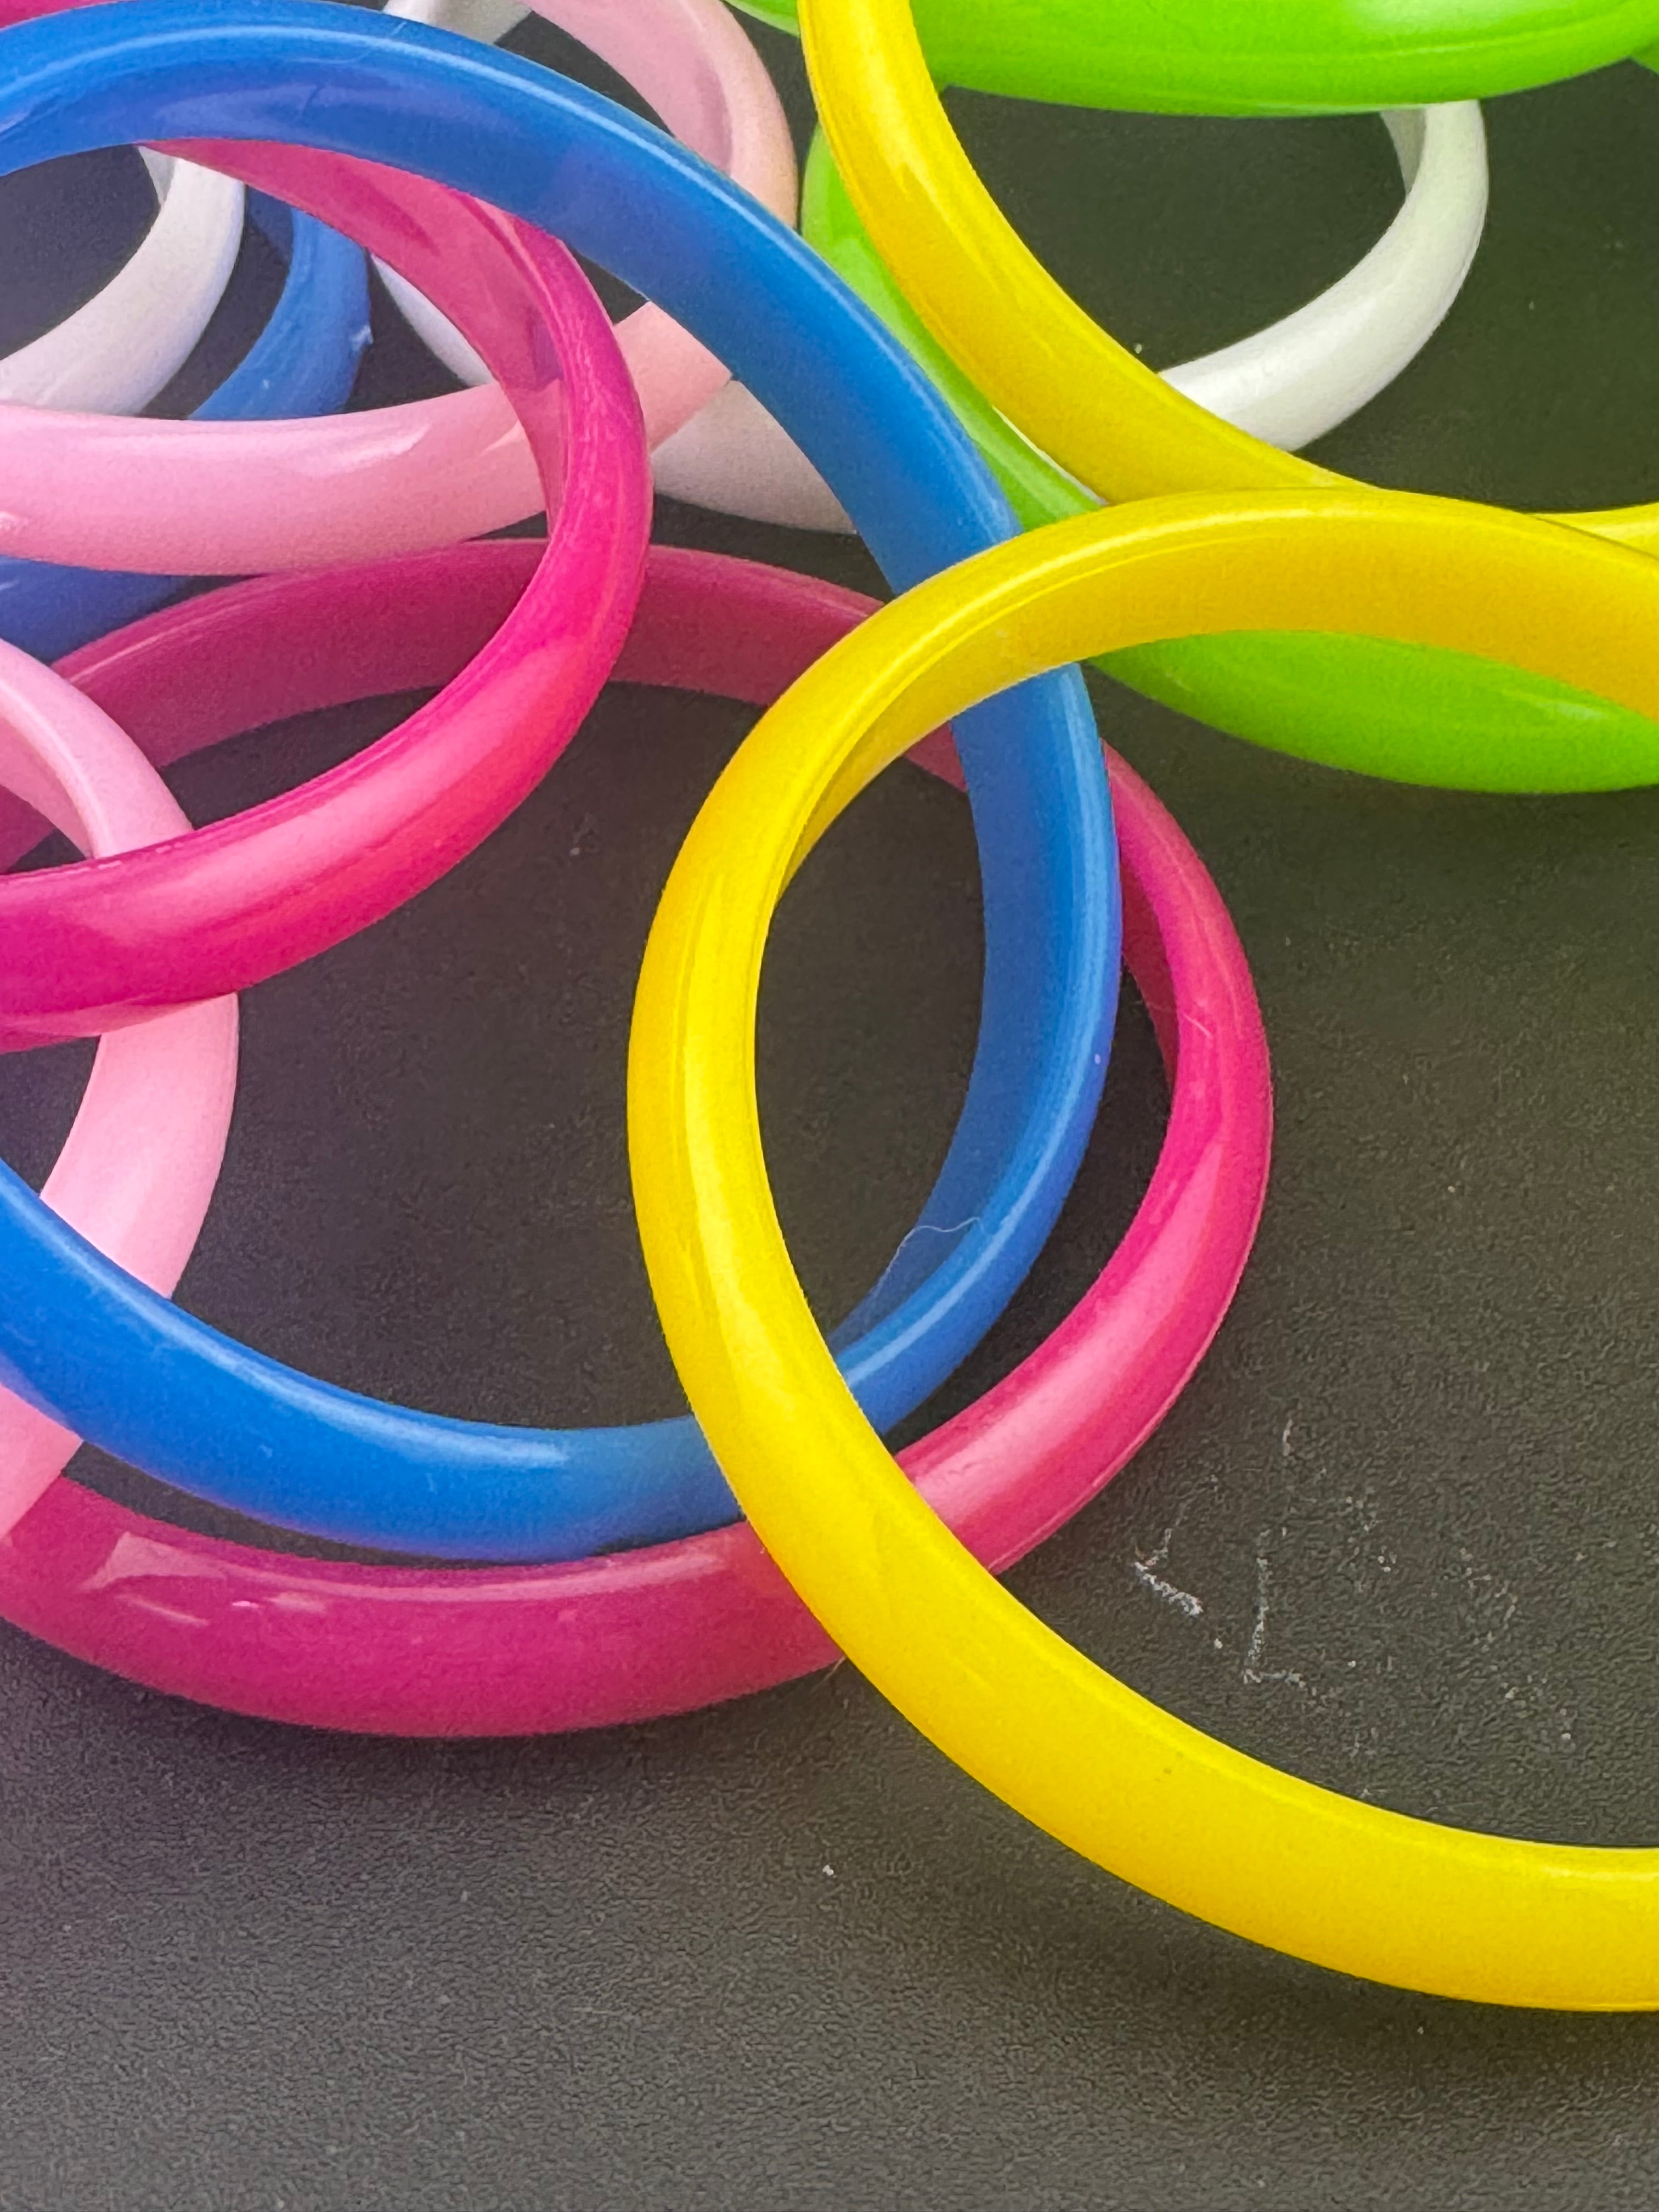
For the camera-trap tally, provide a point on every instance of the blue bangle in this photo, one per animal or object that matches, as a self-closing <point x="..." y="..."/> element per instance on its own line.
<point x="131" y="1373"/>
<point x="303" y="362"/>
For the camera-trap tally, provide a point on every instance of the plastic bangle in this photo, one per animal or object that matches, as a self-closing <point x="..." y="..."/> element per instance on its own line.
<point x="90" y="947"/>
<point x="246" y="1430"/>
<point x="113" y="354"/>
<point x="138" y="1169"/>
<point x="691" y="62"/>
<point x="1123" y="431"/>
<point x="1295" y="58"/>
<point x="690" y="59"/>
<point x="227" y="499"/>
<point x="1218" y="1834"/>
<point x="1290" y="382"/>
<point x="1516" y="732"/>
<point x="304" y="361"/>
<point x="475" y="1651"/>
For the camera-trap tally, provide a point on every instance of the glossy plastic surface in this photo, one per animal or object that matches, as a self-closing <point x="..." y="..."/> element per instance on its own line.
<point x="87" y="948"/>
<point x="138" y="1166"/>
<point x="227" y="498"/>
<point x="1271" y="57"/>
<point x="247" y="1431"/>
<point x="114" y="354"/>
<point x="1125" y="433"/>
<point x="1288" y="383"/>
<point x="691" y="62"/>
<point x="633" y="1634"/>
<point x="304" y="361"/>
<point x="1171" y="1809"/>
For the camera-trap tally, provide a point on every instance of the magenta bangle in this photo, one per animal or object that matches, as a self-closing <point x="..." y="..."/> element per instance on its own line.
<point x="85" y="948"/>
<point x="527" y="1650"/>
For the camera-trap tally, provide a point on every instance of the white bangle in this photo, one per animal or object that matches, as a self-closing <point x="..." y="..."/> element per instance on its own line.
<point x="112" y="355"/>
<point x="1288" y="384"/>
<point x="1300" y="377"/>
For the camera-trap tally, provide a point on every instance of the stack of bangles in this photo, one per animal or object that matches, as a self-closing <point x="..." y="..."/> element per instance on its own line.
<point x="904" y="370"/>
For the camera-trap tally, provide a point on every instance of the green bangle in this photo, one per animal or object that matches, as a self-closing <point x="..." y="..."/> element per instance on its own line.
<point x="1266" y="56"/>
<point x="1411" y="713"/>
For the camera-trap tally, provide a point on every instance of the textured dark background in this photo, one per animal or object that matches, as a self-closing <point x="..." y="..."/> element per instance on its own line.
<point x="780" y="1955"/>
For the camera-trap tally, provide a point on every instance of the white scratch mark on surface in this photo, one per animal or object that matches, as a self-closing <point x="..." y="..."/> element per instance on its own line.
<point x="1183" y="1600"/>
<point x="1253" y="1671"/>
<point x="1147" y="1575"/>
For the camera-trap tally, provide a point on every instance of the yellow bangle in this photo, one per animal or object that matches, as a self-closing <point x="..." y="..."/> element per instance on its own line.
<point x="1272" y="1858"/>
<point x="1048" y="366"/>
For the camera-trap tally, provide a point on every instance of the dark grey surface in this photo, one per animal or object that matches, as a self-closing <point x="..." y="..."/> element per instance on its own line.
<point x="780" y="1955"/>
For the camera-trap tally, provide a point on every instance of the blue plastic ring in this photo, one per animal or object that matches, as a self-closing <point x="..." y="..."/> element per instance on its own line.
<point x="304" y="361"/>
<point x="135" y="1375"/>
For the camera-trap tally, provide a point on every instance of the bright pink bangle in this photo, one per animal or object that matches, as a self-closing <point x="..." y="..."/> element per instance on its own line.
<point x="138" y="1166"/>
<point x="522" y="1650"/>
<point x="229" y="498"/>
<point x="85" y="948"/>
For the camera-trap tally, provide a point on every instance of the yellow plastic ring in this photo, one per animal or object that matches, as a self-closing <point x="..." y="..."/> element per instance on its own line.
<point x="1223" y="1836"/>
<point x="1051" y="369"/>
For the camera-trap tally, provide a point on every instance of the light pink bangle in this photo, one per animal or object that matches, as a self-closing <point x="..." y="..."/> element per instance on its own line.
<point x="731" y="455"/>
<point x="227" y="498"/>
<point x="138" y="1166"/>
<point x="520" y="1650"/>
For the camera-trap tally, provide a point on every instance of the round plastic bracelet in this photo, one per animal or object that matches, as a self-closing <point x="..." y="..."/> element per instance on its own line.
<point x="475" y="1651"/>
<point x="139" y="1164"/>
<point x="1302" y="1868"/>
<point x="113" y="354"/>
<point x="86" y="947"/>
<point x="130" y="340"/>
<point x="304" y="361"/>
<point x="227" y="499"/>
<point x="509" y="132"/>
<point x="691" y="60"/>
<point x="1125" y="433"/>
<point x="1290" y="57"/>
<point x="1290" y="382"/>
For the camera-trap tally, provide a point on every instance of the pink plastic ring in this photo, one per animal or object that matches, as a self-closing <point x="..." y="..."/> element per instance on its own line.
<point x="138" y="1166"/>
<point x="731" y="455"/>
<point x="89" y="947"/>
<point x="229" y="498"/>
<point x="528" y="1649"/>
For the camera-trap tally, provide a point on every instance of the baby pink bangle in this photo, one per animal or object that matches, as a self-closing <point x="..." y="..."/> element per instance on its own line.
<point x="227" y="498"/>
<point x="86" y="948"/>
<point x="526" y="1650"/>
<point x="138" y="1166"/>
<point x="731" y="455"/>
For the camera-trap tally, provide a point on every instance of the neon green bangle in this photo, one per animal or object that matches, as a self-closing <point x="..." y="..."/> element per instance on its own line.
<point x="1408" y="712"/>
<point x="1265" y="57"/>
<point x="1128" y="433"/>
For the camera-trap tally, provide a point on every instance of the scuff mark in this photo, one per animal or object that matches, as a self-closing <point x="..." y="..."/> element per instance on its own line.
<point x="1253" y="1671"/>
<point x="1147" y="1574"/>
